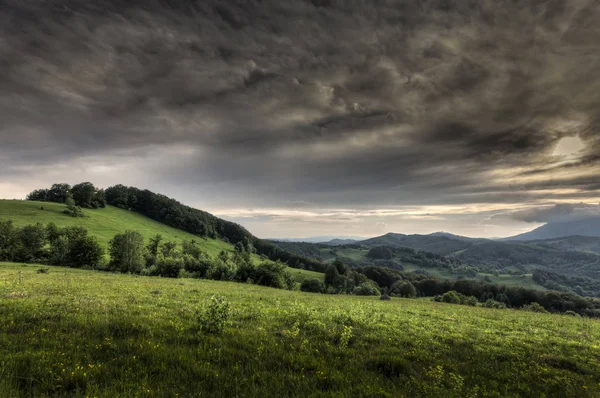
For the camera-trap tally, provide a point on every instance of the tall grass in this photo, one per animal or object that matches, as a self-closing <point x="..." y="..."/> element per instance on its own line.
<point x="83" y="333"/>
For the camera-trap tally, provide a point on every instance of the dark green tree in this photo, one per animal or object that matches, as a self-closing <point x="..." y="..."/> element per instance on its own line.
<point x="8" y="241"/>
<point x="58" y="193"/>
<point x="32" y="239"/>
<point x="127" y="252"/>
<point x="168" y="249"/>
<point x="83" y="194"/>
<point x="331" y="273"/>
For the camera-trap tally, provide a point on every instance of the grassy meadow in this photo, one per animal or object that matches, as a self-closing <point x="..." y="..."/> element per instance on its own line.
<point x="70" y="332"/>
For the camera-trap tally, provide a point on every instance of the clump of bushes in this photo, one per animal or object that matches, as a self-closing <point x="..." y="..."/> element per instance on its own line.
<point x="313" y="286"/>
<point x="402" y="288"/>
<point x="454" y="297"/>
<point x="368" y="288"/>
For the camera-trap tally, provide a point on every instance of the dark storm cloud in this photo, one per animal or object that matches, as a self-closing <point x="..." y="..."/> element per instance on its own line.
<point x="558" y="212"/>
<point x="319" y="101"/>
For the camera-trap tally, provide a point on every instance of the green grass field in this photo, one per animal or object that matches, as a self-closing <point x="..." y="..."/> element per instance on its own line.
<point x="86" y="333"/>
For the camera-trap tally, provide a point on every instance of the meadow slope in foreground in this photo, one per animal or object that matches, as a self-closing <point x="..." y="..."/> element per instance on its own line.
<point x="82" y="333"/>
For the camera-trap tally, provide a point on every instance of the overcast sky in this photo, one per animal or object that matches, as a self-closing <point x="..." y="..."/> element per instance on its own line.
<point x="322" y="117"/>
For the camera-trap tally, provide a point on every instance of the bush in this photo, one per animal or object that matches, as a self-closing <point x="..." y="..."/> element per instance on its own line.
<point x="451" y="297"/>
<point x="368" y="288"/>
<point x="469" y="300"/>
<point x="571" y="313"/>
<point x="403" y="289"/>
<point x="274" y="274"/>
<point x="216" y="316"/>
<point x="312" y="285"/>
<point x="245" y="272"/>
<point x="222" y="271"/>
<point x="198" y="268"/>
<point x="490" y="303"/>
<point x="168" y="267"/>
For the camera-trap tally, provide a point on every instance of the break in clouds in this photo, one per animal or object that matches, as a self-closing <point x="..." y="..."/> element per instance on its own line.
<point x="311" y="117"/>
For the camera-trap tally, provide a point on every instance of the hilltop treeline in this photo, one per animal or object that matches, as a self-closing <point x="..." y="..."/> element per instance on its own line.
<point x="85" y="195"/>
<point x="170" y="212"/>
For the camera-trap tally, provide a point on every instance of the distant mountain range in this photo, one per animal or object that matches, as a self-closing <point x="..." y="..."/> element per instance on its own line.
<point x="561" y="256"/>
<point x="331" y="240"/>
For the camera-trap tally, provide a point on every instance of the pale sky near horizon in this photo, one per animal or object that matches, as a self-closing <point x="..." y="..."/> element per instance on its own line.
<point x="312" y="118"/>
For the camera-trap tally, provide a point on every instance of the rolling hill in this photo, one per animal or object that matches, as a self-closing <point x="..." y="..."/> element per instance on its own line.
<point x="102" y="223"/>
<point x="568" y="263"/>
<point x="105" y="223"/>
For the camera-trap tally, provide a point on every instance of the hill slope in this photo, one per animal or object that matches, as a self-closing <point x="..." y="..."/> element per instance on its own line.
<point x="102" y="223"/>
<point x="141" y="336"/>
<point x="586" y="227"/>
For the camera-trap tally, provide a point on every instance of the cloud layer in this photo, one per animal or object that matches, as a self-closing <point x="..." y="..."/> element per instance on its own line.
<point x="335" y="104"/>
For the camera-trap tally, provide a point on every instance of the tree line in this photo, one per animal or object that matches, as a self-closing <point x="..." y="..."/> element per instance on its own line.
<point x="170" y="212"/>
<point x="129" y="253"/>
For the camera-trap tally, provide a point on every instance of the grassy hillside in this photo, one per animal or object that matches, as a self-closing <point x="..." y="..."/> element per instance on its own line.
<point x="102" y="223"/>
<point x="84" y="333"/>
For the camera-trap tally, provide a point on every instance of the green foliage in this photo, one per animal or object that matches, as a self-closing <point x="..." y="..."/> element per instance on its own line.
<point x="127" y="252"/>
<point x="216" y="316"/>
<point x="274" y="275"/>
<point x="72" y="209"/>
<point x="451" y="297"/>
<point x="8" y="240"/>
<point x="331" y="273"/>
<point x="313" y="286"/>
<point x="168" y="267"/>
<point x="403" y="289"/>
<point x="345" y="337"/>
<point x="86" y="195"/>
<point x="31" y="242"/>
<point x="491" y="303"/>
<point x="368" y="288"/>
<point x="222" y="270"/>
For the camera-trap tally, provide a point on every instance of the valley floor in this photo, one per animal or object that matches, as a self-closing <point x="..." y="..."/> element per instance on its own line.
<point x="83" y="333"/>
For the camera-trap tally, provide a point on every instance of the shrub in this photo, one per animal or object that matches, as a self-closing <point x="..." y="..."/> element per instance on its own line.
<point x="368" y="288"/>
<point x="222" y="271"/>
<point x="216" y="316"/>
<point x="469" y="300"/>
<point x="451" y="297"/>
<point x="312" y="285"/>
<point x="199" y="268"/>
<point x="403" y="289"/>
<point x="274" y="274"/>
<point x="490" y="303"/>
<point x="571" y="313"/>
<point x="168" y="267"/>
<point x="245" y="272"/>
